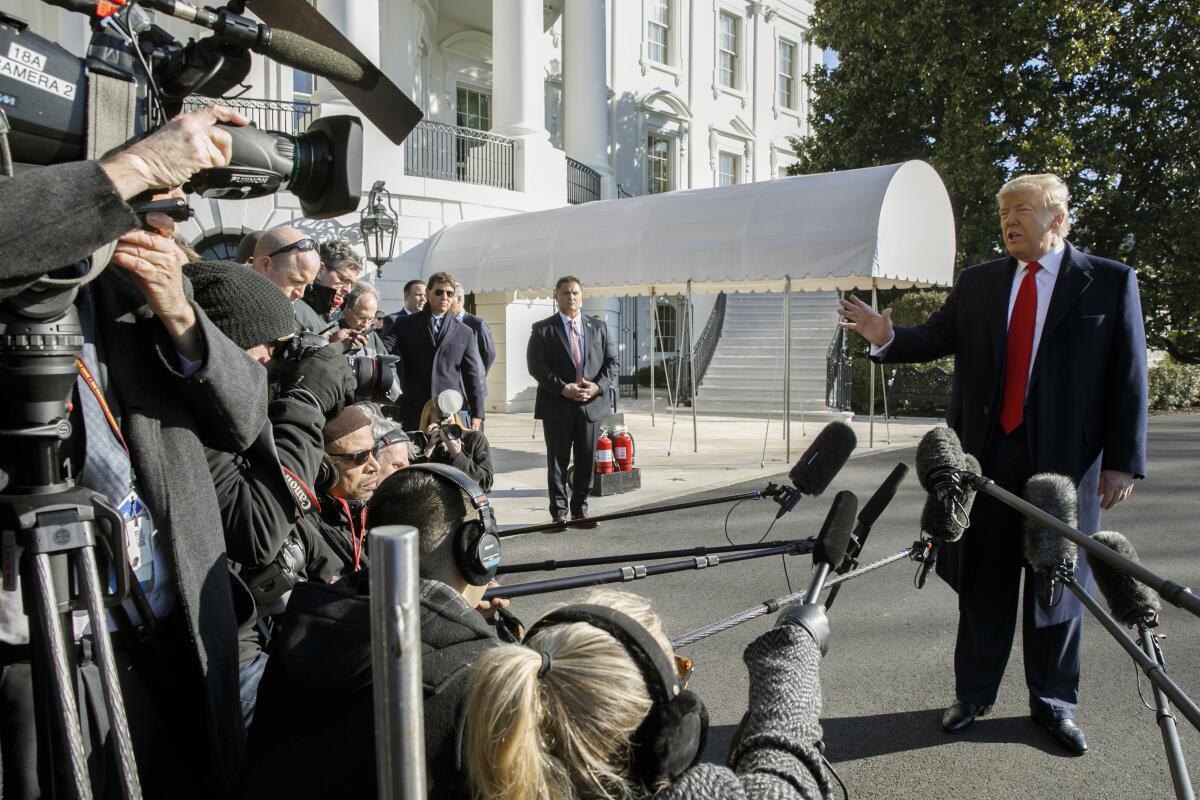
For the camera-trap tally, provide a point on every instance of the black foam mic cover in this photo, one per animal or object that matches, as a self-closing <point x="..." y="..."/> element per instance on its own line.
<point x="1130" y="601"/>
<point x="938" y="451"/>
<point x="823" y="459"/>
<point x="882" y="497"/>
<point x="830" y="547"/>
<point x="944" y="519"/>
<point x="1054" y="494"/>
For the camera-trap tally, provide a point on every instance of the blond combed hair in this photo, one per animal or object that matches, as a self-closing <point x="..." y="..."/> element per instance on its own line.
<point x="568" y="734"/>
<point x="1054" y="193"/>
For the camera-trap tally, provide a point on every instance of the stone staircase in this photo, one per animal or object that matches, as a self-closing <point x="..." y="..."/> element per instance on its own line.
<point x="745" y="375"/>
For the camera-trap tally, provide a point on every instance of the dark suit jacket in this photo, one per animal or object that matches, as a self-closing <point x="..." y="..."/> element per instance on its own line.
<point x="550" y="364"/>
<point x="430" y="367"/>
<point x="1087" y="397"/>
<point x="483" y="338"/>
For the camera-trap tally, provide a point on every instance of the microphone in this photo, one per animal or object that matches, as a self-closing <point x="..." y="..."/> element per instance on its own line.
<point x="866" y="518"/>
<point x="816" y="468"/>
<point x="947" y="511"/>
<point x="830" y="547"/>
<point x="1045" y="550"/>
<point x="1131" y="601"/>
<point x="301" y="53"/>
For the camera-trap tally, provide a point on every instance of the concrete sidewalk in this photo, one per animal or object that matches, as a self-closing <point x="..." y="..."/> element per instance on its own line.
<point x="730" y="451"/>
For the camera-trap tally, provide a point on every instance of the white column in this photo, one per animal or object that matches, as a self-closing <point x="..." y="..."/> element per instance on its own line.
<point x="585" y="87"/>
<point x="518" y="82"/>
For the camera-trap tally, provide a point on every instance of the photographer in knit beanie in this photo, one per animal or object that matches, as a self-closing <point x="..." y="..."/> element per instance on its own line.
<point x="265" y="490"/>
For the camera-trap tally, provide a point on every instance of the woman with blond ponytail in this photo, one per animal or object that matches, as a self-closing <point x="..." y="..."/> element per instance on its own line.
<point x="558" y="717"/>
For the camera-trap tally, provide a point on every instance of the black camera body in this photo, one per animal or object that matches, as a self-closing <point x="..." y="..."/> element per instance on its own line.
<point x="377" y="377"/>
<point x="44" y="91"/>
<point x="420" y="439"/>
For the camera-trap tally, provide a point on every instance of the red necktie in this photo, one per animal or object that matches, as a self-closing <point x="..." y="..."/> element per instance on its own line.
<point x="1020" y="350"/>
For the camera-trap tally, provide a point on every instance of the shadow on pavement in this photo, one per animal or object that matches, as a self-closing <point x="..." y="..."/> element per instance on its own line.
<point x="506" y="460"/>
<point x="851" y="738"/>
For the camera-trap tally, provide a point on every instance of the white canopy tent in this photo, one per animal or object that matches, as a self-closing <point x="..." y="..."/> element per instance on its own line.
<point x="875" y="228"/>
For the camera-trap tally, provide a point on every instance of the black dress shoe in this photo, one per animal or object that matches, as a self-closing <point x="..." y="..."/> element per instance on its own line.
<point x="559" y="525"/>
<point x="959" y="716"/>
<point x="587" y="523"/>
<point x="1068" y="735"/>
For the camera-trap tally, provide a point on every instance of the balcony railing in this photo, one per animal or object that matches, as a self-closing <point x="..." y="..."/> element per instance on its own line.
<point x="270" y="115"/>
<point x="583" y="183"/>
<point x="450" y="153"/>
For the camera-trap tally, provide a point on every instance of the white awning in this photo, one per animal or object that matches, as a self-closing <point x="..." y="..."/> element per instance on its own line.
<point x="886" y="226"/>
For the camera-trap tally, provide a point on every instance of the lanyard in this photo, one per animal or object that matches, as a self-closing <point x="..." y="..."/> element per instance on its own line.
<point x="356" y="539"/>
<point x="90" y="380"/>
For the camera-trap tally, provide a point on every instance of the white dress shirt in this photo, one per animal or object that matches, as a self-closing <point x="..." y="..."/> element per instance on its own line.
<point x="1051" y="263"/>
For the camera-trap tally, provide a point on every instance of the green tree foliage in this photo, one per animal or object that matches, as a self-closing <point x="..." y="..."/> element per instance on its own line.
<point x="1103" y="93"/>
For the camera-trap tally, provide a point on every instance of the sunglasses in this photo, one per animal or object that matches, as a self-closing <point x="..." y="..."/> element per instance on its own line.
<point x="356" y="459"/>
<point x="303" y="245"/>
<point x="443" y="293"/>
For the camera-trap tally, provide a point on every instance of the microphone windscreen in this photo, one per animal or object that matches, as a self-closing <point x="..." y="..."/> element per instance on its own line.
<point x="303" y="53"/>
<point x="823" y="459"/>
<point x="946" y="521"/>
<point x="938" y="450"/>
<point x="883" y="495"/>
<point x="1130" y="601"/>
<point x="830" y="547"/>
<point x="1054" y="494"/>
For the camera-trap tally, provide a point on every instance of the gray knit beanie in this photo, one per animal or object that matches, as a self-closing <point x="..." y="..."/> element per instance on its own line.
<point x="244" y="305"/>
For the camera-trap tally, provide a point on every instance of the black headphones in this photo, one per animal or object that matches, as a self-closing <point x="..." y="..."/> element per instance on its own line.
<point x="327" y="474"/>
<point x="671" y="739"/>
<point x="477" y="541"/>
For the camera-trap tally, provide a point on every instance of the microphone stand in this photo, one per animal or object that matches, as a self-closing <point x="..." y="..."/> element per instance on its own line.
<point x="551" y="565"/>
<point x="1166" y="720"/>
<point x="780" y="493"/>
<point x="771" y="606"/>
<point x="634" y="572"/>
<point x="1153" y="668"/>
<point x="1173" y="592"/>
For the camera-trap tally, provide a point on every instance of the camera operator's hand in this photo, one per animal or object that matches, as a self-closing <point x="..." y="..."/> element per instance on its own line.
<point x="173" y="153"/>
<point x="325" y="377"/>
<point x="488" y="608"/>
<point x="436" y="436"/>
<point x="811" y="618"/>
<point x="156" y="263"/>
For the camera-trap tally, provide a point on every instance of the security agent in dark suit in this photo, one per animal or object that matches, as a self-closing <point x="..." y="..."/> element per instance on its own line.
<point x="574" y="363"/>
<point x="437" y="352"/>
<point x="483" y="331"/>
<point x="1050" y="376"/>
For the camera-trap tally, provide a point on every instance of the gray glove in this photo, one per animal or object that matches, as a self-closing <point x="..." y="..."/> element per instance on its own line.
<point x="323" y="379"/>
<point x="810" y="618"/>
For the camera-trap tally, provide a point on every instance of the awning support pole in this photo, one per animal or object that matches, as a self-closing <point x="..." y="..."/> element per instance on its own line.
<point x="692" y="368"/>
<point x="653" y="346"/>
<point x="871" y="370"/>
<point x="787" y="368"/>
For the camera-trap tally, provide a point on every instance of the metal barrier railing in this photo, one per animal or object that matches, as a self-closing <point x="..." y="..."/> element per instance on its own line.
<point x="451" y="153"/>
<point x="272" y="115"/>
<point x="583" y="183"/>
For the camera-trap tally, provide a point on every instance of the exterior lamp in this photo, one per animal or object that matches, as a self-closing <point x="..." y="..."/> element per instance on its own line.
<point x="378" y="226"/>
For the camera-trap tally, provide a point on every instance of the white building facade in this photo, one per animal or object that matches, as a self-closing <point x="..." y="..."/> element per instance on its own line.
<point x="531" y="104"/>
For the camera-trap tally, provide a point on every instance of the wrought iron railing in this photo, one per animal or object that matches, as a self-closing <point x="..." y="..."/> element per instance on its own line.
<point x="451" y="153"/>
<point x="583" y="183"/>
<point x="627" y="348"/>
<point x="839" y="373"/>
<point x="706" y="345"/>
<point x="272" y="115"/>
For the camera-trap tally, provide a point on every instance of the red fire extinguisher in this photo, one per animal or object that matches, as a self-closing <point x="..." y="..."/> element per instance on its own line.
<point x="623" y="449"/>
<point x="604" y="454"/>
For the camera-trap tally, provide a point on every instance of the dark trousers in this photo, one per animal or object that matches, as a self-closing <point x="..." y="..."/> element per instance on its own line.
<point x="987" y="601"/>
<point x="564" y="438"/>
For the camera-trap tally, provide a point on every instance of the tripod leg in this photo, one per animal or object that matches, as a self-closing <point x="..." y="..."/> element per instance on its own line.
<point x="1166" y="722"/>
<point x="106" y="660"/>
<point x="60" y="677"/>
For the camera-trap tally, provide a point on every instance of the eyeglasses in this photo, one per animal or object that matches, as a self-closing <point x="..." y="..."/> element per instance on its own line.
<point x="356" y="459"/>
<point x="443" y="293"/>
<point x="303" y="245"/>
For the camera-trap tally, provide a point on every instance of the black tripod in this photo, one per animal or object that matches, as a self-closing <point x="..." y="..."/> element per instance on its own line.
<point x="50" y="530"/>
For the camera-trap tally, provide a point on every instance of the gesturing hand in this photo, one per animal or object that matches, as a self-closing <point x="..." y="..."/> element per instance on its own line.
<point x="859" y="317"/>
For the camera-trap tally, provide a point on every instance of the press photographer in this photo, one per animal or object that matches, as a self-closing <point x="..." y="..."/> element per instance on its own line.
<point x="358" y="327"/>
<point x="443" y="440"/>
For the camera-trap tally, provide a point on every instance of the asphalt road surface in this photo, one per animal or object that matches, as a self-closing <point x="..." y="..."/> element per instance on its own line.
<point x="888" y="675"/>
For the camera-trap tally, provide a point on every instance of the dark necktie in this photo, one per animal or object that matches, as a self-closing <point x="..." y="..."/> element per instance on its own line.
<point x="1020" y="350"/>
<point x="437" y="326"/>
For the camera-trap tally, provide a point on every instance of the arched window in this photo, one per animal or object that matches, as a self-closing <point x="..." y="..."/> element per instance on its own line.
<point x="218" y="246"/>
